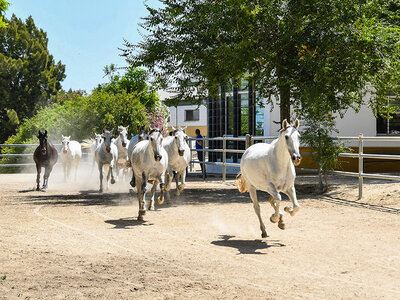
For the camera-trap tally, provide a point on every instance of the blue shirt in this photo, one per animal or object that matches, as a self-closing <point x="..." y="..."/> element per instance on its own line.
<point x="199" y="136"/>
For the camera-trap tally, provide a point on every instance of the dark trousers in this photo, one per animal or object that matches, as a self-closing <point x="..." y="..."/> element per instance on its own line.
<point x="200" y="157"/>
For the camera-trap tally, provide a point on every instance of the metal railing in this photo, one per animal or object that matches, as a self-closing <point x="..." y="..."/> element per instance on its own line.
<point x="249" y="140"/>
<point x="26" y="155"/>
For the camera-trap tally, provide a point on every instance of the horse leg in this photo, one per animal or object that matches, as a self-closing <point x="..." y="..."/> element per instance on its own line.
<point x="133" y="180"/>
<point x="101" y="177"/>
<point x="152" y="196"/>
<point x="112" y="173"/>
<point x="278" y="215"/>
<point x="141" y="196"/>
<point x="183" y="180"/>
<point x="38" y="170"/>
<point x="256" y="205"/>
<point x="47" y="172"/>
<point x="292" y="195"/>
<point x="160" y="200"/>
<point x="140" y="199"/>
<point x="65" y="171"/>
<point x="177" y="191"/>
<point x="168" y="179"/>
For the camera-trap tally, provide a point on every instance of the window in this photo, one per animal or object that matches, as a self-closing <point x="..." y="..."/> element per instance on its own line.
<point x="192" y="115"/>
<point x="392" y="126"/>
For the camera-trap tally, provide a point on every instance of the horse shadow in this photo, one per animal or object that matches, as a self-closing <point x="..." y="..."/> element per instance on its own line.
<point x="246" y="246"/>
<point x="125" y="223"/>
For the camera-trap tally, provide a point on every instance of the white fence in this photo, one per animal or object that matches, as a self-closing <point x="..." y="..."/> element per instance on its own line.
<point x="360" y="155"/>
<point x="249" y="140"/>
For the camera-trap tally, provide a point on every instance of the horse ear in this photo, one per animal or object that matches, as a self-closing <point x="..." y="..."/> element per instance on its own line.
<point x="284" y="124"/>
<point x="69" y="137"/>
<point x="38" y="134"/>
<point x="296" y="123"/>
<point x="62" y="136"/>
<point x="184" y="128"/>
<point x="127" y="127"/>
<point x="119" y="128"/>
<point x="173" y="128"/>
<point x="45" y="133"/>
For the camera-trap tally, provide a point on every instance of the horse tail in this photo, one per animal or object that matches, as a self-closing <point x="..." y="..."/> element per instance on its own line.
<point x="240" y="183"/>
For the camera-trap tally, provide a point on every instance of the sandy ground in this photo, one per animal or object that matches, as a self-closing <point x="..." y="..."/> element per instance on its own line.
<point x="74" y="243"/>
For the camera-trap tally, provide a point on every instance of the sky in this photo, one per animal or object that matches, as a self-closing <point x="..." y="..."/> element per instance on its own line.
<point x="85" y="34"/>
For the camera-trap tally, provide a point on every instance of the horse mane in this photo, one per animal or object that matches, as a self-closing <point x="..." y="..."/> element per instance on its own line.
<point x="154" y="130"/>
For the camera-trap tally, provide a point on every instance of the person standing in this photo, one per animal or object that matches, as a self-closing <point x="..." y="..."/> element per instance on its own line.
<point x="200" y="154"/>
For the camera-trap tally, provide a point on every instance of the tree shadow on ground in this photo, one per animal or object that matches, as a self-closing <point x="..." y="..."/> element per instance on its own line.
<point x="125" y="223"/>
<point x="246" y="246"/>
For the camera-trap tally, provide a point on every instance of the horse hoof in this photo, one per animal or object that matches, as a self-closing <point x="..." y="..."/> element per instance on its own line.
<point x="112" y="180"/>
<point x="100" y="190"/>
<point x="273" y="219"/>
<point x="140" y="218"/>
<point x="281" y="225"/>
<point x="287" y="209"/>
<point x="160" y="201"/>
<point x="181" y="187"/>
<point x="264" y="235"/>
<point x="37" y="189"/>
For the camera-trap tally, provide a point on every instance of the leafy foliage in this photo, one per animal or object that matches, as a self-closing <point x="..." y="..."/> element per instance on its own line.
<point x="300" y="52"/>
<point x="29" y="76"/>
<point x="317" y="135"/>
<point x="3" y="7"/>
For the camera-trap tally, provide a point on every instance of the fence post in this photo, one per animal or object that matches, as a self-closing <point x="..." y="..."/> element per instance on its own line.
<point x="204" y="158"/>
<point x="248" y="141"/>
<point x="191" y="155"/>
<point x="360" y="165"/>
<point x="223" y="158"/>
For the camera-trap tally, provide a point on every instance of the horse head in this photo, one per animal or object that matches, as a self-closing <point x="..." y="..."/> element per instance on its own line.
<point x="292" y="140"/>
<point x="156" y="139"/>
<point x="143" y="134"/>
<point x="97" y="138"/>
<point x="180" y="140"/>
<point x="107" y="137"/>
<point x="123" y="135"/>
<point x="43" y="141"/>
<point x="65" y="143"/>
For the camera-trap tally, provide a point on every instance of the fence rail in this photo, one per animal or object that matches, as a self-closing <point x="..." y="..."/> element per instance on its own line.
<point x="26" y="155"/>
<point x="360" y="155"/>
<point x="249" y="140"/>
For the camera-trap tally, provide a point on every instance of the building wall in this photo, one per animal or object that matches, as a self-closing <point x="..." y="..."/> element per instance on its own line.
<point x="177" y="119"/>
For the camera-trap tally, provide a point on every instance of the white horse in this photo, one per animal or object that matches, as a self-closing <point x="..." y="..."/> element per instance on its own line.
<point x="106" y="155"/>
<point x="122" y="145"/>
<point x="71" y="154"/>
<point x="149" y="163"/>
<point x="270" y="168"/>
<point x="178" y="158"/>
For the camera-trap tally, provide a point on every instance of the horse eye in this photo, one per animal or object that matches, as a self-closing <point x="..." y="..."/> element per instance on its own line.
<point x="176" y="137"/>
<point x="286" y="137"/>
<point x="151" y="139"/>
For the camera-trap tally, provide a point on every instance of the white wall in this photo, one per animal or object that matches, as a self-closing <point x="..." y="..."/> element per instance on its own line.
<point x="351" y="125"/>
<point x="180" y="119"/>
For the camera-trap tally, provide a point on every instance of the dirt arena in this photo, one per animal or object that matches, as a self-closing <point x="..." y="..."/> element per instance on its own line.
<point x="74" y="243"/>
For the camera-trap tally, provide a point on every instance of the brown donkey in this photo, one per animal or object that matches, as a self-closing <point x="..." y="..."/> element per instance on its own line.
<point x="45" y="156"/>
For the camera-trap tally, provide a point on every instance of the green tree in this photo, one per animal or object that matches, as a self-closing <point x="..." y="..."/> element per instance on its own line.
<point x="299" y="51"/>
<point x="3" y="7"/>
<point x="133" y="80"/>
<point x="29" y="76"/>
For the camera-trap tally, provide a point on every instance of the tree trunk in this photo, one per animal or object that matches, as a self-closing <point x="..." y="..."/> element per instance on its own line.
<point x="284" y="95"/>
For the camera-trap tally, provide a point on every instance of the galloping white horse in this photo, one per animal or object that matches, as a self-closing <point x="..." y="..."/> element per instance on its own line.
<point x="70" y="155"/>
<point x="122" y="145"/>
<point x="149" y="163"/>
<point x="178" y="158"/>
<point x="270" y="168"/>
<point x="106" y="155"/>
